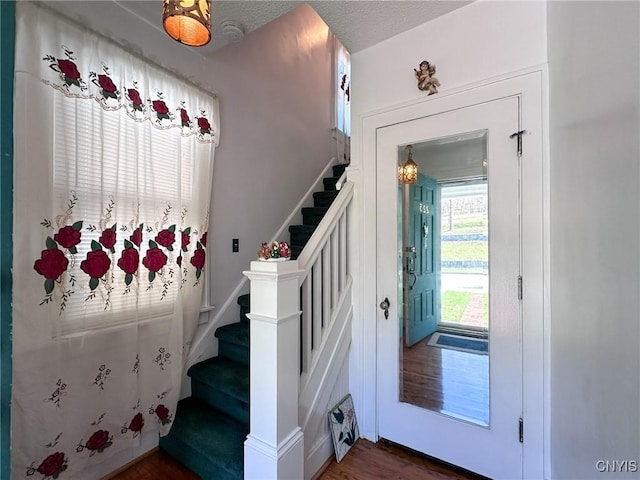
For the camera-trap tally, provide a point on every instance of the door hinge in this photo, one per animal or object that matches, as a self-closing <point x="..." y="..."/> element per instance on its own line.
<point x="520" y="287"/>
<point x="521" y="430"/>
<point x="519" y="137"/>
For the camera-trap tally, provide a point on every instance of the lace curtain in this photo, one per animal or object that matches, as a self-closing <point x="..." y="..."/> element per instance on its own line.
<point x="113" y="169"/>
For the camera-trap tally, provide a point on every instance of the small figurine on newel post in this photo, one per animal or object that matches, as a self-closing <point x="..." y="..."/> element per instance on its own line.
<point x="426" y="80"/>
<point x="276" y="252"/>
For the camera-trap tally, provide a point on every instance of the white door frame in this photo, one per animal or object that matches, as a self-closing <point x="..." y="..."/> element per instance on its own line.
<point x="528" y="86"/>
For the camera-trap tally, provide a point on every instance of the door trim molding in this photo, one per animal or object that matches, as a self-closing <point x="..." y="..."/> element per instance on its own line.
<point x="529" y="86"/>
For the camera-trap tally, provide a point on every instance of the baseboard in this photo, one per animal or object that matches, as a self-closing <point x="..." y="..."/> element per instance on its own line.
<point x="319" y="458"/>
<point x="128" y="465"/>
<point x="322" y="469"/>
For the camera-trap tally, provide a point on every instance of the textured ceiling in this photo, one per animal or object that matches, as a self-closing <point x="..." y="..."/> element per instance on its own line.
<point x="361" y="24"/>
<point x="358" y="24"/>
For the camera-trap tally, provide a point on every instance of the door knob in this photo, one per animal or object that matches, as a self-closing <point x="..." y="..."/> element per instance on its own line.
<point x="384" y="305"/>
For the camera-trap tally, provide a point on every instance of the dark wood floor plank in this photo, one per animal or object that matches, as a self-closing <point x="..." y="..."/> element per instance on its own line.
<point x="374" y="461"/>
<point x="365" y="461"/>
<point x="156" y="466"/>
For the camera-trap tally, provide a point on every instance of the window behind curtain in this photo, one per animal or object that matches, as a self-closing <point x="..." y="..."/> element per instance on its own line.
<point x="343" y="89"/>
<point x="123" y="161"/>
<point x="141" y="166"/>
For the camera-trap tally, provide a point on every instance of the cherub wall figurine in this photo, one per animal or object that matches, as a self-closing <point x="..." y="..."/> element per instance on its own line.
<point x="426" y="80"/>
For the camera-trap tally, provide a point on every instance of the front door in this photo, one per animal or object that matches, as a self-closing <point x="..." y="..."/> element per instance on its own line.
<point x="421" y="252"/>
<point x="465" y="407"/>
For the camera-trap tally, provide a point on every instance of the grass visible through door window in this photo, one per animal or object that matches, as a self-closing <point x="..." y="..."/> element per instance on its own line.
<point x="455" y="303"/>
<point x="465" y="250"/>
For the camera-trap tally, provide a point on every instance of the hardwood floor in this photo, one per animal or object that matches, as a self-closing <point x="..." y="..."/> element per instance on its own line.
<point x="365" y="461"/>
<point x="155" y="466"/>
<point x="385" y="461"/>
<point x="447" y="381"/>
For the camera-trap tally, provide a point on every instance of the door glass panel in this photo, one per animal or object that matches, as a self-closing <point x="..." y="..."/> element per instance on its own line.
<point x="443" y="277"/>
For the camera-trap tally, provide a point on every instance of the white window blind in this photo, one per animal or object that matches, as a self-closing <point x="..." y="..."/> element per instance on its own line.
<point x="126" y="173"/>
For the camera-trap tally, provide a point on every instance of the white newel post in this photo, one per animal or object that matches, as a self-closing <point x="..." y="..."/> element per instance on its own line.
<point x="274" y="448"/>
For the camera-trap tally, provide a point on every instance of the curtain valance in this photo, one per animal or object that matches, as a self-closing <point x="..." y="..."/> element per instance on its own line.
<point x="115" y="87"/>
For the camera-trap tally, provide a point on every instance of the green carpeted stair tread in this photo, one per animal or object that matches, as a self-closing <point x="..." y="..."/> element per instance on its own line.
<point x="233" y="341"/>
<point x="223" y="374"/>
<point x="339" y="169"/>
<point x="300" y="234"/>
<point x="299" y="238"/>
<point x="329" y="183"/>
<point x="235" y="333"/>
<point x="206" y="440"/>
<point x="324" y="199"/>
<point x="244" y="300"/>
<point x="296" y="250"/>
<point x="308" y="229"/>
<point x="313" y="215"/>
<point x="315" y="211"/>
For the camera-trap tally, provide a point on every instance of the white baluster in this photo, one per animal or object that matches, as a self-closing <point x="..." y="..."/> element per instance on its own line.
<point x="307" y="326"/>
<point x="334" y="269"/>
<point x="326" y="285"/>
<point x="342" y="225"/>
<point x="317" y="303"/>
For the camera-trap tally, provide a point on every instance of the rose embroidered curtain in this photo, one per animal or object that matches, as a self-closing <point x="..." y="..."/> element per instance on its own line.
<point x="113" y="169"/>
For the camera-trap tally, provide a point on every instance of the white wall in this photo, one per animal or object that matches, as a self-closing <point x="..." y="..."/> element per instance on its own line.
<point x="275" y="95"/>
<point x="594" y="56"/>
<point x="470" y="46"/>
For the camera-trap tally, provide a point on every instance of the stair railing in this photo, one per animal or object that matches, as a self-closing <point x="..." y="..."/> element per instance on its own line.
<point x="324" y="262"/>
<point x="326" y="305"/>
<point x="300" y="315"/>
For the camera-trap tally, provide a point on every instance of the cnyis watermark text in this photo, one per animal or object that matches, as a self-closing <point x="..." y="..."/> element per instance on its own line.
<point x="617" y="466"/>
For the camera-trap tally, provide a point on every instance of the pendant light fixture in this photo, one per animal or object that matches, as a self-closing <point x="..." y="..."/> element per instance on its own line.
<point x="188" y="21"/>
<point x="409" y="173"/>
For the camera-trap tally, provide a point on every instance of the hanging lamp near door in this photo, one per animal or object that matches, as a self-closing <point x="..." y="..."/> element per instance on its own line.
<point x="409" y="169"/>
<point x="188" y="21"/>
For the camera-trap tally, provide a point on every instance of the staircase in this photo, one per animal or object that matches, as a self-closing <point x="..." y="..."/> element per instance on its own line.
<point x="300" y="234"/>
<point x="210" y="427"/>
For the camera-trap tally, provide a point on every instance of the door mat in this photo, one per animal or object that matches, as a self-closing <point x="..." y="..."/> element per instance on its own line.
<point x="458" y="342"/>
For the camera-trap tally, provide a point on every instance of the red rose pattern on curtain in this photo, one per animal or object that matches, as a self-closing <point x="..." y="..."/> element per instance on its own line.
<point x="112" y="97"/>
<point x="61" y="274"/>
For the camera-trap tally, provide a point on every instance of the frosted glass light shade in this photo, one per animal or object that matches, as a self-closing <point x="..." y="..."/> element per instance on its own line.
<point x="410" y="171"/>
